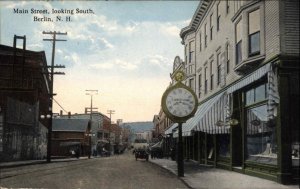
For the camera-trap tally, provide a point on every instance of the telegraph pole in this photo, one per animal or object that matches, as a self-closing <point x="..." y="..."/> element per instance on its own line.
<point x="110" y="112"/>
<point x="51" y="86"/>
<point x="91" y="93"/>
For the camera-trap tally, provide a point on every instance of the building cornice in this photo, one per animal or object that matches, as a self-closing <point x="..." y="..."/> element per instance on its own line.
<point x="198" y="16"/>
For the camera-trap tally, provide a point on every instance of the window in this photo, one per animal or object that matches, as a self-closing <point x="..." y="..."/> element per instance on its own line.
<point x="227" y="6"/>
<point x="191" y="69"/>
<point x="219" y="69"/>
<point x="200" y="85"/>
<point x="261" y="136"/>
<point x="211" y="76"/>
<point x="211" y="26"/>
<point x="205" y="80"/>
<point x="256" y="94"/>
<point x="218" y="17"/>
<point x="205" y="36"/>
<point x="238" y="47"/>
<point x="254" y="33"/>
<point x="192" y="84"/>
<point x="223" y="145"/>
<point x="191" y="51"/>
<point x="200" y="40"/>
<point x="185" y="50"/>
<point x="227" y="59"/>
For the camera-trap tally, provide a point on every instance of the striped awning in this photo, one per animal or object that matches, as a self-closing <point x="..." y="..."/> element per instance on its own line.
<point x="254" y="76"/>
<point x="206" y="117"/>
<point x="216" y="108"/>
<point x="171" y="128"/>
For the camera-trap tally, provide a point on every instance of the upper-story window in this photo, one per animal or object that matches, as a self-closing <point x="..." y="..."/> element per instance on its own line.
<point x="238" y="45"/>
<point x="205" y="80"/>
<point x="227" y="6"/>
<point x="191" y="51"/>
<point x="200" y="85"/>
<point x="205" y="35"/>
<point x="218" y="69"/>
<point x="186" y="53"/>
<point x="211" y="75"/>
<point x="211" y="26"/>
<point x="192" y="83"/>
<point x="200" y="41"/>
<point x="218" y="17"/>
<point x="254" y="33"/>
<point x="227" y="58"/>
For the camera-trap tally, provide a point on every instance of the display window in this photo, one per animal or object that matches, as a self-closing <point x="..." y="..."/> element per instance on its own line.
<point x="261" y="141"/>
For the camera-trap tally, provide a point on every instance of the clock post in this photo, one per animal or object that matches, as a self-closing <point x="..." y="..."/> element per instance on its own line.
<point x="180" y="165"/>
<point x="179" y="103"/>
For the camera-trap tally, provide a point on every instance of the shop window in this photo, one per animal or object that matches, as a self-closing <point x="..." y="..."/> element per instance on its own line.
<point x="261" y="142"/>
<point x="224" y="145"/>
<point x="254" y="33"/>
<point x="256" y="94"/>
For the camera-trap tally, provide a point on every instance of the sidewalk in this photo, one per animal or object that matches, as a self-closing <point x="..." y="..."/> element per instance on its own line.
<point x="201" y="176"/>
<point x="33" y="162"/>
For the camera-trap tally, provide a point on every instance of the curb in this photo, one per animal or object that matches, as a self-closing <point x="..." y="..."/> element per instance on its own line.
<point x="172" y="172"/>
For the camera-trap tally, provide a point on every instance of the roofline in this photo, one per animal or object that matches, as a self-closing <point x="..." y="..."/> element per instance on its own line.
<point x="197" y="17"/>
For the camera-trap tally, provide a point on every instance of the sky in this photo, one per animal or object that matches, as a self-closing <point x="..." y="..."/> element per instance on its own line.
<point x="123" y="49"/>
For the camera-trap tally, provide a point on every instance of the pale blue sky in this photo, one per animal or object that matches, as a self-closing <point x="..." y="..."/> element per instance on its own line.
<point x="125" y="50"/>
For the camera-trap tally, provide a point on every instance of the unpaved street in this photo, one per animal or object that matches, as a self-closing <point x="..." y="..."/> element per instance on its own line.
<point x="120" y="171"/>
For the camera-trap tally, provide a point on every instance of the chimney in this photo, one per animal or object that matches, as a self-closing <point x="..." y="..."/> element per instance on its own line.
<point x="61" y="112"/>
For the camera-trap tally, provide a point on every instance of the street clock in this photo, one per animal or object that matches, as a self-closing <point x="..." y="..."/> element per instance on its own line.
<point x="179" y="102"/>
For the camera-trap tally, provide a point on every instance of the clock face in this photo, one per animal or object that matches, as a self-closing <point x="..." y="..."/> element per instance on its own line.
<point x="180" y="102"/>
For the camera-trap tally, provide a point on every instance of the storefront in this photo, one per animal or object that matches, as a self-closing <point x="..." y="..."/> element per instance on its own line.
<point x="264" y="139"/>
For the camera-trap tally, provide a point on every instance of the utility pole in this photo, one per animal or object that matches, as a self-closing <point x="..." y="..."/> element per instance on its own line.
<point x="51" y="86"/>
<point x="91" y="93"/>
<point x="109" y="129"/>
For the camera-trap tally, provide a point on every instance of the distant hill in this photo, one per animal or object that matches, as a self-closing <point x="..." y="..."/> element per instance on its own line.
<point x="138" y="126"/>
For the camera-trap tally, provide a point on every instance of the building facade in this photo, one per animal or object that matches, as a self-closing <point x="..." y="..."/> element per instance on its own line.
<point x="24" y="89"/>
<point x="70" y="134"/>
<point x="241" y="59"/>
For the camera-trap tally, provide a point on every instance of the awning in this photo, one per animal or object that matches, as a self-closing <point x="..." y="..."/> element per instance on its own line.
<point x="217" y="108"/>
<point x="254" y="76"/>
<point x="206" y="117"/>
<point x="170" y="129"/>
